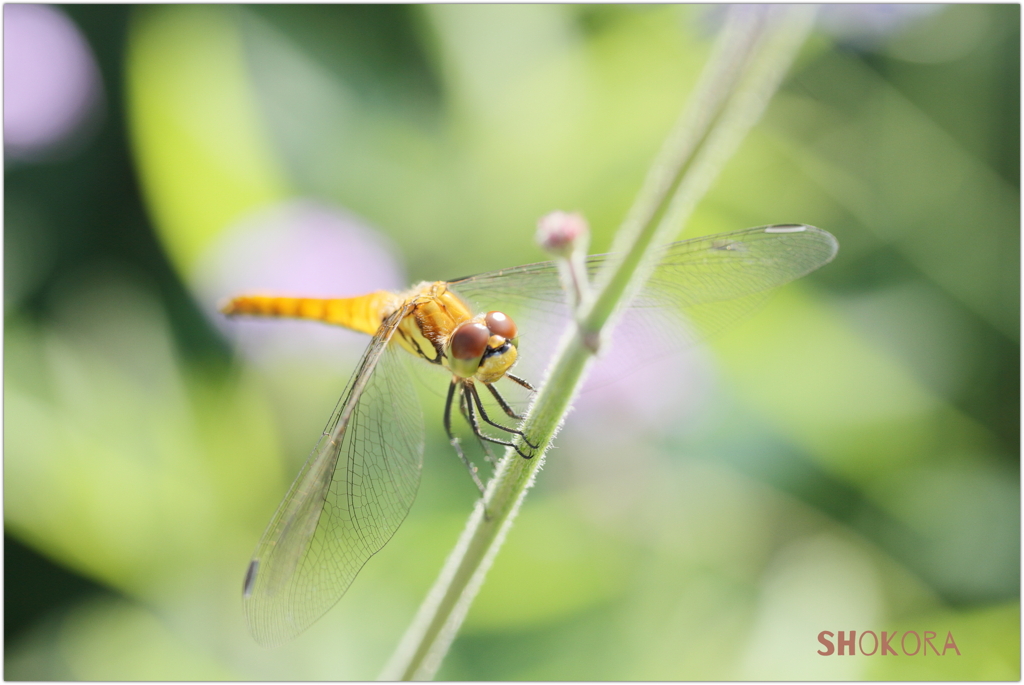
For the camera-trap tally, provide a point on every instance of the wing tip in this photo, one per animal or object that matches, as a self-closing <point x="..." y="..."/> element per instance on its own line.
<point x="788" y="228"/>
<point x="833" y="243"/>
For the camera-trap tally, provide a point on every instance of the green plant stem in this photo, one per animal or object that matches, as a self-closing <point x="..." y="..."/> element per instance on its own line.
<point x="753" y="52"/>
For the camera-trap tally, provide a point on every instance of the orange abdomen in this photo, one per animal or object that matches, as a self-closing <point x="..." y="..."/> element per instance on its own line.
<point x="364" y="313"/>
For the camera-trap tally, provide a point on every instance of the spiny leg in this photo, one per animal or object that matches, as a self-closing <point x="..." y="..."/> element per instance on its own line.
<point x="471" y="389"/>
<point x="505" y="405"/>
<point x="520" y="381"/>
<point x="476" y="426"/>
<point x="484" y="445"/>
<point x="454" y="440"/>
<point x="502" y="403"/>
<point x="508" y="410"/>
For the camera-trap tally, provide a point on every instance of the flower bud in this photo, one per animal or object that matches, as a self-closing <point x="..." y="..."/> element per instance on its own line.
<point x="562" y="232"/>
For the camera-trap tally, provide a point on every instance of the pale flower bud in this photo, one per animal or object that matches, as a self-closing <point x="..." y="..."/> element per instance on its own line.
<point x="561" y="232"/>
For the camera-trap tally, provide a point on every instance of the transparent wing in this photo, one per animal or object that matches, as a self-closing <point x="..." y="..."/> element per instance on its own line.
<point x="697" y="288"/>
<point x="702" y="286"/>
<point x="349" y="499"/>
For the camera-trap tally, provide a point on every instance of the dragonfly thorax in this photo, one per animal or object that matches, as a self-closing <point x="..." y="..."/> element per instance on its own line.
<point x="442" y="329"/>
<point x="434" y="314"/>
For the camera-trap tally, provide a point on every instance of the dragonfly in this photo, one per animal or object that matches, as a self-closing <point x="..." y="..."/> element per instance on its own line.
<point x="359" y="482"/>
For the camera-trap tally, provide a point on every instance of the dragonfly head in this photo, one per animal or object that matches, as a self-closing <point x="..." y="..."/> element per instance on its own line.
<point x="483" y="347"/>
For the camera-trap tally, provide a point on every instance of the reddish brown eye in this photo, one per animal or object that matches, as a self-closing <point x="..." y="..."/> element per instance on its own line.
<point x="469" y="341"/>
<point x="500" y="324"/>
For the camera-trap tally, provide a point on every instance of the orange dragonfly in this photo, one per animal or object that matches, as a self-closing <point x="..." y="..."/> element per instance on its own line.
<point x="360" y="480"/>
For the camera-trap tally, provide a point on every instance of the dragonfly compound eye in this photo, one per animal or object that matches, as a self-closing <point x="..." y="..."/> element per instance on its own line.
<point x="501" y="324"/>
<point x="466" y="347"/>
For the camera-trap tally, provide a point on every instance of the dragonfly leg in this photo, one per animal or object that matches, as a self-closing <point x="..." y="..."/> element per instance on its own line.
<point x="485" y="446"/>
<point x="454" y="440"/>
<point x="520" y="381"/>
<point x="475" y="399"/>
<point x="505" y="406"/>
<point x="508" y="410"/>
<point x="502" y="403"/>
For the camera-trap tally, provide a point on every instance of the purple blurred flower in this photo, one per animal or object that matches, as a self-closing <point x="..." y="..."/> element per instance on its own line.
<point x="52" y="86"/>
<point x="642" y="386"/>
<point x="299" y="247"/>
<point x="865" y="25"/>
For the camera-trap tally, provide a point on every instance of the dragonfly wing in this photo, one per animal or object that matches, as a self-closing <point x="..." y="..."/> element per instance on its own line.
<point x="698" y="287"/>
<point x="354" y="491"/>
<point x="702" y="286"/>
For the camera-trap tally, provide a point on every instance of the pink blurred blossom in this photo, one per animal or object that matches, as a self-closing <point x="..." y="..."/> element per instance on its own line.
<point x="299" y="247"/>
<point x="52" y="86"/>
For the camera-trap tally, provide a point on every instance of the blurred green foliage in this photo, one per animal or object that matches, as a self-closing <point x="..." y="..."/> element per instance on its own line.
<point x="851" y="463"/>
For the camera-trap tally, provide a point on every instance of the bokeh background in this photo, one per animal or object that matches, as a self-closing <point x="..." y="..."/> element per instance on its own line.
<point x="847" y="459"/>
